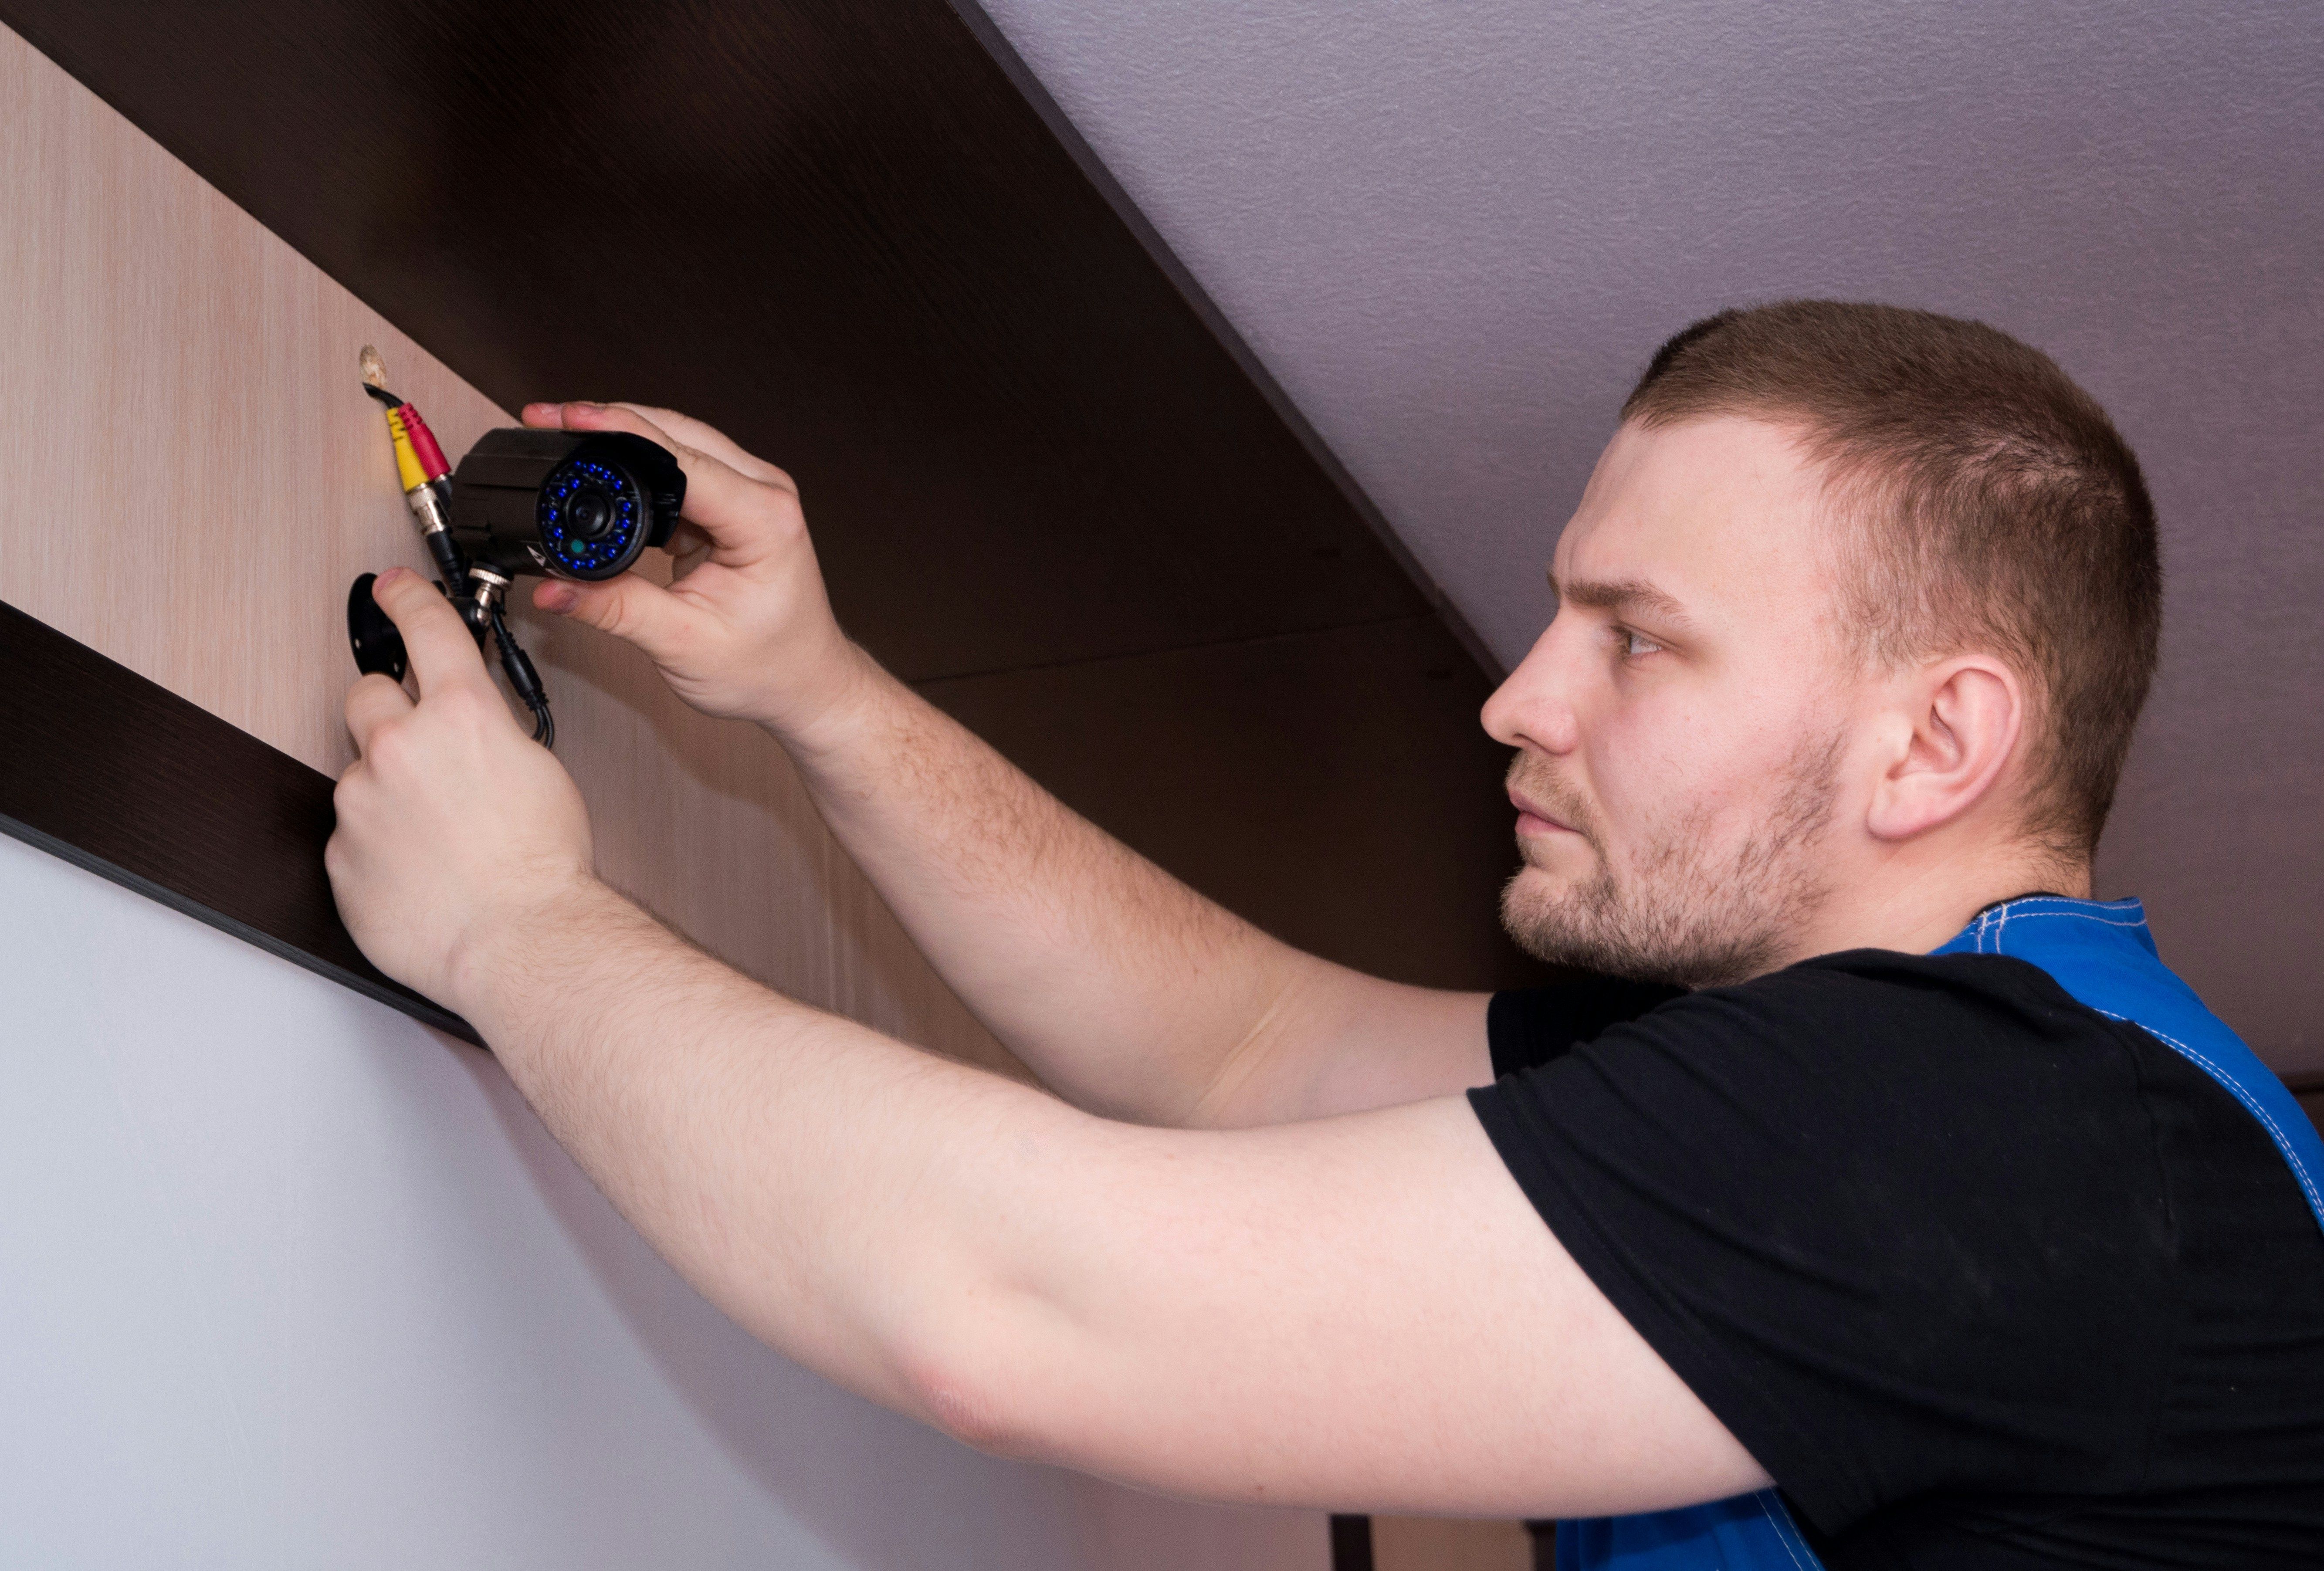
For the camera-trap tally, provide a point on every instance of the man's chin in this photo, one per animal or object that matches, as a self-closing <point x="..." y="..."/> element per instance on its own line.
<point x="1531" y="886"/>
<point x="1540" y="911"/>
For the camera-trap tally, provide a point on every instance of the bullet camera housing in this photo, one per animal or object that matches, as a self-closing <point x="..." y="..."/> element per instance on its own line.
<point x="565" y="504"/>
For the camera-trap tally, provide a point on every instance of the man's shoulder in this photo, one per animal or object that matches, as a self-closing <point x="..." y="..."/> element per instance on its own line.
<point x="1892" y="1060"/>
<point x="1951" y="1076"/>
<point x="1870" y="1207"/>
<point x="1889" y="979"/>
<point x="1879" y="1004"/>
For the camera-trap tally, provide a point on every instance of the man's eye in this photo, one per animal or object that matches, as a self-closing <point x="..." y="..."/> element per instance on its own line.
<point x="1633" y="644"/>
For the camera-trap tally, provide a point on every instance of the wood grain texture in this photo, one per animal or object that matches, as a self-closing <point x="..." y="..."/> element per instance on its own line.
<point x="850" y="237"/>
<point x="195" y="475"/>
<point x="1333" y="787"/>
<point x="838" y="231"/>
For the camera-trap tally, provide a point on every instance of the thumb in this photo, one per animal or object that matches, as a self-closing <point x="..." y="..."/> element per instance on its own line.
<point x="635" y="610"/>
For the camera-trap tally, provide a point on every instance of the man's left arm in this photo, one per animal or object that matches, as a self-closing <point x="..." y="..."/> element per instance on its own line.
<point x="1361" y="1311"/>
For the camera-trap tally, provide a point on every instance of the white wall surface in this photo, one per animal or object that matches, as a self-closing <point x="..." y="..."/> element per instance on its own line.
<point x="1455" y="229"/>
<point x="289" y="1281"/>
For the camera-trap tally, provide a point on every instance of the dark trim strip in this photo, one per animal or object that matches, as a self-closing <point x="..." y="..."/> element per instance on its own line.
<point x="119" y="775"/>
<point x="1069" y="137"/>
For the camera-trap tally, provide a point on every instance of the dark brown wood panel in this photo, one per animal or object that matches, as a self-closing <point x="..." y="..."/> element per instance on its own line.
<point x="839" y="231"/>
<point x="122" y="777"/>
<point x="1351" y="1543"/>
<point x="1042" y="475"/>
<point x="1333" y="787"/>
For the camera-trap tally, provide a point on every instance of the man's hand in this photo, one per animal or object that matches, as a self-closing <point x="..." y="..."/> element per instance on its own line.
<point x="452" y="823"/>
<point x="1125" y="991"/>
<point x="745" y="630"/>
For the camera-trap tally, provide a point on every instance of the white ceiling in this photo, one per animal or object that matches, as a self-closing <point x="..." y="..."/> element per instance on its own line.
<point x="1453" y="232"/>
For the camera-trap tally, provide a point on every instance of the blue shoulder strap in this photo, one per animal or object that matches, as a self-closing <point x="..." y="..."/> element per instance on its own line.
<point x="1748" y="1532"/>
<point x="2102" y="956"/>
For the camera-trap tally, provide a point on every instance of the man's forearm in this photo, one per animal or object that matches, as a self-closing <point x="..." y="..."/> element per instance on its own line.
<point x="1124" y="989"/>
<point x="830" y="1189"/>
<point x="1121" y="988"/>
<point x="1223" y="1314"/>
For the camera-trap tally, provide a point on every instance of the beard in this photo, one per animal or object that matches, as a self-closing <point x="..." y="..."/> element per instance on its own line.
<point x="1685" y="912"/>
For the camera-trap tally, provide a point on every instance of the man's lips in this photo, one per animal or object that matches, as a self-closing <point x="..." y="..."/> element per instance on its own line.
<point x="1533" y="820"/>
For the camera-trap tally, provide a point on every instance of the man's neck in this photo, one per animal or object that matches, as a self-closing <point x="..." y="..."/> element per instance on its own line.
<point x="1914" y="906"/>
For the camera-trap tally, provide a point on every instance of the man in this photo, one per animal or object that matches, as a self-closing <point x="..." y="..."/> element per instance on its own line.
<point x="2002" y="1256"/>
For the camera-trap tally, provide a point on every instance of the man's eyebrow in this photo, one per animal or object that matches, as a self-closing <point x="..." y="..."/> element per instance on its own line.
<point x="1619" y="594"/>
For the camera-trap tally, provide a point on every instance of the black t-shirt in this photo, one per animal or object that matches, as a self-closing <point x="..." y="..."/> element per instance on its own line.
<point x="1982" y="1278"/>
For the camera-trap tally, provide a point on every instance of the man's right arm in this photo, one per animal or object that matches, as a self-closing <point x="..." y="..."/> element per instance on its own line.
<point x="1122" y="989"/>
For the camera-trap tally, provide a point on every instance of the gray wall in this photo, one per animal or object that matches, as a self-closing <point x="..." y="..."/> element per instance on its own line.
<point x="288" y="1280"/>
<point x="1454" y="229"/>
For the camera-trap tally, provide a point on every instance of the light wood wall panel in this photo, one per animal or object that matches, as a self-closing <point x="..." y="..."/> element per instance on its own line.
<point x="193" y="475"/>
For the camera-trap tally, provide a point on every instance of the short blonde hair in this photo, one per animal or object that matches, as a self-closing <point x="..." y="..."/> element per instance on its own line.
<point x="1994" y="506"/>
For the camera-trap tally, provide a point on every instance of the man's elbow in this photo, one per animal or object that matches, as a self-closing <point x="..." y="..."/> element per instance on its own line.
<point x="984" y="1387"/>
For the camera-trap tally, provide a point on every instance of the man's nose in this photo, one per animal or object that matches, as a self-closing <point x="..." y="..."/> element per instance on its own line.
<point x="1531" y="705"/>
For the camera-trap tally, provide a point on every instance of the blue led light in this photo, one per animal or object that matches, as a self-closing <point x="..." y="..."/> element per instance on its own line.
<point x="583" y="555"/>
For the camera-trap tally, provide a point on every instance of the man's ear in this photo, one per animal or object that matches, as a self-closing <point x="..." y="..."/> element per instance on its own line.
<point x="1966" y="714"/>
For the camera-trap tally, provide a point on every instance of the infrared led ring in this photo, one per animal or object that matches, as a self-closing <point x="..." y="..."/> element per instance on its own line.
<point x="592" y="518"/>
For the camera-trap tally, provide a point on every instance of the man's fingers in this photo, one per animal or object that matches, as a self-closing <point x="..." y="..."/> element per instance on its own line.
<point x="696" y="434"/>
<point x="443" y="652"/>
<point x="747" y="519"/>
<point x="688" y="549"/>
<point x="372" y="702"/>
<point x="710" y="439"/>
<point x="633" y="609"/>
<point x="582" y="415"/>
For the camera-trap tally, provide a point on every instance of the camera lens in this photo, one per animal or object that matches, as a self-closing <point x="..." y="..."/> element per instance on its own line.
<point x="591" y="516"/>
<point x="589" y="513"/>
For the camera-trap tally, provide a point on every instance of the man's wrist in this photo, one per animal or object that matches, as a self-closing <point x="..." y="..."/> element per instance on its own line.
<point x="858" y="694"/>
<point x="516" y="945"/>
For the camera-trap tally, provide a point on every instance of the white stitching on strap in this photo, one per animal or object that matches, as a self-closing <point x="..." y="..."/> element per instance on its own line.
<point x="1787" y="1535"/>
<point x="2218" y="1073"/>
<point x="2000" y="915"/>
<point x="2010" y="912"/>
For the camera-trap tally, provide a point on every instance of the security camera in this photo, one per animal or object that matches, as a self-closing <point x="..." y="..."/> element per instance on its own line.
<point x="564" y="504"/>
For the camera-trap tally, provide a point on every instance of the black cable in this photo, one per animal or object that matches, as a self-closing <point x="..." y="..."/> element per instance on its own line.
<point x="449" y="564"/>
<point x="524" y="680"/>
<point x="384" y="396"/>
<point x="544" y="725"/>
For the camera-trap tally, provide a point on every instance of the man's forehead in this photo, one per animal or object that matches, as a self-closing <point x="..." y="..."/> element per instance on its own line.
<point x="1703" y="509"/>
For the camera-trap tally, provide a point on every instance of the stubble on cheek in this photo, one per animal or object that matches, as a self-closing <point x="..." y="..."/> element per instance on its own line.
<point x="1682" y="909"/>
